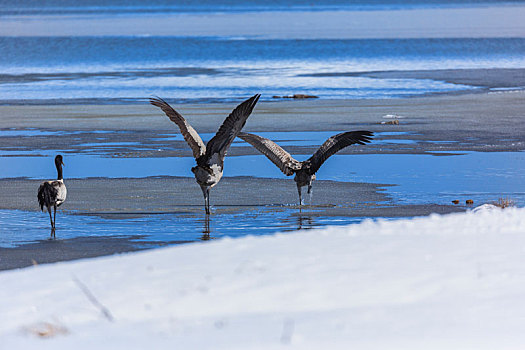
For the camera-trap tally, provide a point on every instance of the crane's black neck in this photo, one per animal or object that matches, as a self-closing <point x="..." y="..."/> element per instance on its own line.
<point x="59" y="171"/>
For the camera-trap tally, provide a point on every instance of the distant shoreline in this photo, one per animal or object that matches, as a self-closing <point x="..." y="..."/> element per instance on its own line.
<point x="206" y="8"/>
<point x="491" y="21"/>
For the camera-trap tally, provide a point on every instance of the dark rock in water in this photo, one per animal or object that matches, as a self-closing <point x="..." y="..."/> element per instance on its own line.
<point x="391" y="122"/>
<point x="296" y="96"/>
<point x="304" y="96"/>
<point x="469" y="201"/>
<point x="455" y="201"/>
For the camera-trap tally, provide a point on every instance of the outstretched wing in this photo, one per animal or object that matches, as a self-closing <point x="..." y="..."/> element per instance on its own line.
<point x="229" y="129"/>
<point x="274" y="152"/>
<point x="188" y="132"/>
<point x="334" y="144"/>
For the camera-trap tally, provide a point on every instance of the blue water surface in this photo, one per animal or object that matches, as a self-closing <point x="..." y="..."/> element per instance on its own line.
<point x="22" y="227"/>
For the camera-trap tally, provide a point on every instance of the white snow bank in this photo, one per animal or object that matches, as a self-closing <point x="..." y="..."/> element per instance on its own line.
<point x="485" y="206"/>
<point x="439" y="282"/>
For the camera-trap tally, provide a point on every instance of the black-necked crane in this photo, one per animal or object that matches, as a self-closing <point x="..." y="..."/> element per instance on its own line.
<point x="305" y="171"/>
<point x="210" y="157"/>
<point x="51" y="194"/>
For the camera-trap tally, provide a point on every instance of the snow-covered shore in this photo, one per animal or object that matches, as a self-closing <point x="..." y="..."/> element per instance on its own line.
<point x="438" y="282"/>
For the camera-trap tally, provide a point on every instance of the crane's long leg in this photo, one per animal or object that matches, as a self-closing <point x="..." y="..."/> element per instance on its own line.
<point x="54" y="219"/>
<point x="206" y="194"/>
<point x="300" y="197"/>
<point x="51" y="221"/>
<point x="50" y="218"/>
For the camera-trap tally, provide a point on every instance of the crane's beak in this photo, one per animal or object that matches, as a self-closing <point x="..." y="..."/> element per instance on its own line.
<point x="63" y="164"/>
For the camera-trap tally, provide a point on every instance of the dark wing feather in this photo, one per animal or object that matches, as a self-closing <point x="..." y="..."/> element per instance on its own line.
<point x="273" y="152"/>
<point x="334" y="144"/>
<point x="188" y="132"/>
<point x="47" y="194"/>
<point x="230" y="128"/>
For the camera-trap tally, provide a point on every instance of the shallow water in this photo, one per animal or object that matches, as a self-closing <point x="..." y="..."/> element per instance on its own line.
<point x="22" y="227"/>
<point x="484" y="176"/>
<point x="417" y="179"/>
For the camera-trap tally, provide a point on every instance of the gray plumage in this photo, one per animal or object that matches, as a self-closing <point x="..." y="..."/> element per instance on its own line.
<point x="51" y="194"/>
<point x="305" y="171"/>
<point x="210" y="157"/>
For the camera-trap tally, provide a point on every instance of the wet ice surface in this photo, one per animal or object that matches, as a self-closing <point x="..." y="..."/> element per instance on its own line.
<point x="37" y="142"/>
<point x="16" y="132"/>
<point x="418" y="179"/>
<point x="301" y="138"/>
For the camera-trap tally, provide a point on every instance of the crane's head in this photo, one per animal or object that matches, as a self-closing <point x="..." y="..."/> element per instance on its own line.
<point x="58" y="160"/>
